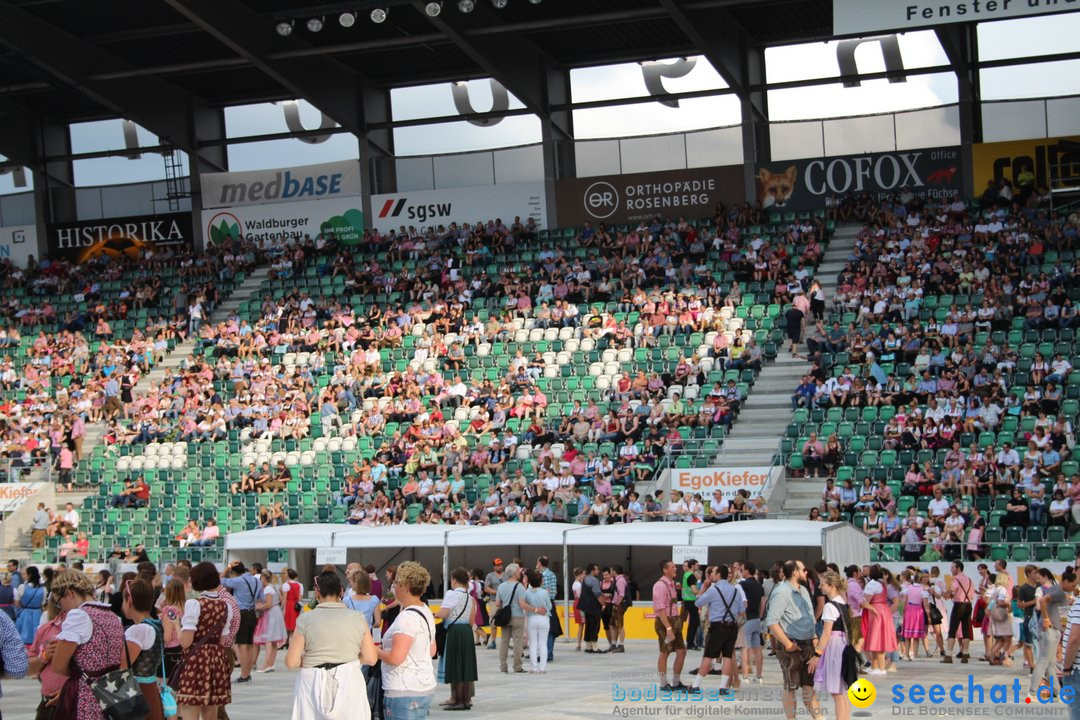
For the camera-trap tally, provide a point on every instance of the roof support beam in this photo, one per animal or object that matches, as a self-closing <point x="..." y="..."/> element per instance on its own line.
<point x="160" y="107"/>
<point x="961" y="45"/>
<point x="337" y="90"/>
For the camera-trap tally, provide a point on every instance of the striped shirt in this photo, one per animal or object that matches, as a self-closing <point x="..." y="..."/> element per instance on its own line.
<point x="550" y="582"/>
<point x="1074" y="620"/>
<point x="12" y="650"/>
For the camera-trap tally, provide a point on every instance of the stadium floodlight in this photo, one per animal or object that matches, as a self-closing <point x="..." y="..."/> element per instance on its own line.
<point x="284" y="28"/>
<point x="347" y="19"/>
<point x="378" y="15"/>
<point x="315" y="24"/>
<point x="433" y="9"/>
<point x="535" y="2"/>
<point x="466" y="6"/>
<point x="499" y="4"/>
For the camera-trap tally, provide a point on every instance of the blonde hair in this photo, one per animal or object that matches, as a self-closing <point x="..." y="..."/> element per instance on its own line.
<point x="1002" y="580"/>
<point x="413" y="577"/>
<point x="830" y="578"/>
<point x="67" y="579"/>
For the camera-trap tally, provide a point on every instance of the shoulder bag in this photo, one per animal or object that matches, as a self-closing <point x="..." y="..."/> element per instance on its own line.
<point x="118" y="693"/>
<point x="849" y="660"/>
<point x="168" y="697"/>
<point x="504" y="614"/>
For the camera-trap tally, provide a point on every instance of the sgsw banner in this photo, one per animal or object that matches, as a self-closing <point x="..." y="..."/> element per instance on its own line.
<point x="265" y="187"/>
<point x="432" y="208"/>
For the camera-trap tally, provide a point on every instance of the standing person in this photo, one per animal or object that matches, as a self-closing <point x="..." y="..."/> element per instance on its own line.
<point x="360" y="598"/>
<point x="12" y="651"/>
<point x="1070" y="658"/>
<point x="725" y="604"/>
<point x="458" y="661"/>
<point x="203" y="683"/>
<point x="620" y="601"/>
<point x="916" y="616"/>
<point x="550" y="582"/>
<point x="170" y="612"/>
<point x="752" y="631"/>
<point x="510" y="592"/>
<point x="590" y="605"/>
<point x="829" y="650"/>
<point x="51" y="682"/>
<point x="89" y="645"/>
<point x="29" y="603"/>
<point x="1025" y="600"/>
<point x="408" y="677"/>
<point x="999" y="608"/>
<point x="245" y="589"/>
<point x="1053" y="604"/>
<point x="480" y="618"/>
<point x="145" y="643"/>
<point x="538" y="607"/>
<point x="879" y="631"/>
<point x="270" y="628"/>
<point x="331" y="645"/>
<point x="689" y="613"/>
<point x="291" y="593"/>
<point x="668" y="626"/>
<point x="960" y="617"/>
<point x="790" y="619"/>
<point x="579" y="619"/>
<point x="39" y="526"/>
<point x="491" y="587"/>
<point x="854" y="601"/>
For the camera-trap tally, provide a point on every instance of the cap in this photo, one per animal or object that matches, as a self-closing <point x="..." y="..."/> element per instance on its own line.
<point x="497" y="561"/>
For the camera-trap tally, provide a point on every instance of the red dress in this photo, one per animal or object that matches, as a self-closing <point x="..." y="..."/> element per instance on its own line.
<point x="879" y="632"/>
<point x="292" y="597"/>
<point x="207" y="669"/>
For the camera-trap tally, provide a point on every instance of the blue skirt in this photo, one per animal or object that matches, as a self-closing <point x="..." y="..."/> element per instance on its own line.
<point x="26" y="622"/>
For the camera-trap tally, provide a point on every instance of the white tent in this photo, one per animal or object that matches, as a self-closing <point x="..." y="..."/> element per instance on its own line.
<point x="286" y="537"/>
<point x="840" y="542"/>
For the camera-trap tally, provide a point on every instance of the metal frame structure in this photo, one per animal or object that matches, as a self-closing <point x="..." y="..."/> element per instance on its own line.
<point x="172" y="66"/>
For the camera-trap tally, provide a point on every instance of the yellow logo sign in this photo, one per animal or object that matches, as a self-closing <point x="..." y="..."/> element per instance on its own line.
<point x="862" y="693"/>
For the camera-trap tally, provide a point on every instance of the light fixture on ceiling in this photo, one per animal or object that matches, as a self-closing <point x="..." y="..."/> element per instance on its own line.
<point x="433" y="9"/>
<point x="466" y="6"/>
<point x="347" y="19"/>
<point x="284" y="28"/>
<point x="535" y="2"/>
<point x="499" y="4"/>
<point x="315" y="24"/>
<point x="378" y="15"/>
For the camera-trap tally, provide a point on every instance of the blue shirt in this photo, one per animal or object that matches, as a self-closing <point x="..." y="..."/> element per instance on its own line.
<point x="718" y="598"/>
<point x="12" y="650"/>
<point x="506" y="592"/>
<point x="246" y="589"/>
<point x="792" y="610"/>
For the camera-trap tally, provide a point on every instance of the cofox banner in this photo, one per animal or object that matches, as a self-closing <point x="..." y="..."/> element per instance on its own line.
<point x="931" y="174"/>
<point x="755" y="480"/>
<point x="119" y="238"/>
<point x="860" y="16"/>
<point x="344" y="217"/>
<point x="431" y="208"/>
<point x="617" y="199"/>
<point x="18" y="243"/>
<point x="261" y="187"/>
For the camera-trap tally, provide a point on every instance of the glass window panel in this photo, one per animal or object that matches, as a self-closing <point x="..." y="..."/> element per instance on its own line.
<point x="613" y="82"/>
<point x="936" y="127"/>
<point x="1063" y="117"/>
<point x="269" y="154"/>
<point x="597" y="157"/>
<point x="1031" y="81"/>
<point x="426" y="101"/>
<point x="810" y="61"/>
<point x="711" y="148"/>
<point x="796" y="140"/>
<point x="464" y="136"/>
<point x="649" y="154"/>
<point x="652" y="118"/>
<point x="1013" y="120"/>
<point x="854" y="136"/>
<point x="880" y="96"/>
<point x="1026" y="37"/>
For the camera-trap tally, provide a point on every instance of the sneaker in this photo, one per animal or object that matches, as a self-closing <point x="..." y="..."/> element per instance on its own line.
<point x="667" y="688"/>
<point x="948" y="660"/>
<point x="873" y="671"/>
<point x="618" y="649"/>
<point x="693" y="691"/>
<point x="964" y="659"/>
<point x="239" y="680"/>
<point x="759" y="680"/>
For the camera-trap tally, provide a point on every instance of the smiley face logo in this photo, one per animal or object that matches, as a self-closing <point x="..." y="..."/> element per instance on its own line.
<point x="862" y="693"/>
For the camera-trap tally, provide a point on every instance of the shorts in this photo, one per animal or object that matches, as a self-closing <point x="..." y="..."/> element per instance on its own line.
<point x="245" y="634"/>
<point x="1025" y="632"/>
<point x="752" y="633"/>
<point x="960" y="621"/>
<point x="678" y="643"/>
<point x="856" y="629"/>
<point x="793" y="665"/>
<point x="617" y="612"/>
<point x="720" y="641"/>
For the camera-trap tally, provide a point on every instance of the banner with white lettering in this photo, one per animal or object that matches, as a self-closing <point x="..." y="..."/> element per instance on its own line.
<point x="729" y="481"/>
<point x="932" y="174"/>
<point x="432" y="208"/>
<point x="344" y="217"/>
<point x="262" y="187"/>
<point x="18" y="243"/>
<point x="851" y="17"/>
<point x="119" y="238"/>
<point x="13" y="495"/>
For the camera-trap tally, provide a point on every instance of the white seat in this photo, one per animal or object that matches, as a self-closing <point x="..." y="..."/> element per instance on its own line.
<point x="137" y="463"/>
<point x="566" y="333"/>
<point x="334" y="444"/>
<point x="418" y="329"/>
<point x="536" y="335"/>
<point x="123" y="463"/>
<point x="596" y="368"/>
<point x="483" y="349"/>
<point x="550" y="358"/>
<point x="523" y="452"/>
<point x="625" y="355"/>
<point x="611" y="355"/>
<point x="572" y="345"/>
<point x="551" y="334"/>
<point x="612" y="368"/>
<point x="551" y="371"/>
<point x="319" y="445"/>
<point x="521" y="336"/>
<point x="151" y="450"/>
<point x="563" y="358"/>
<point x="307" y="457"/>
<point x="587" y="345"/>
<point x="603" y="382"/>
<point x="672" y="389"/>
<point x="349" y="443"/>
<point x="692" y="392"/>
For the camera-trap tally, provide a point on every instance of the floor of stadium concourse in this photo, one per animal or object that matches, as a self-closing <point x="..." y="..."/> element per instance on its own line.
<point x="579" y="685"/>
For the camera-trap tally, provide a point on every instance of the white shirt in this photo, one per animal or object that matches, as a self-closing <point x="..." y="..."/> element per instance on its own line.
<point x="873" y="587"/>
<point x="829" y="613"/>
<point x="141" y="634"/>
<point x="78" y="627"/>
<point x="72" y="518"/>
<point x="416" y="675"/>
<point x="938" y="507"/>
<point x="192" y="610"/>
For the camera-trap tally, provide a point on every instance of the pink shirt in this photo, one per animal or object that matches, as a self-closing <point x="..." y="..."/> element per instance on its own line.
<point x="665" y="598"/>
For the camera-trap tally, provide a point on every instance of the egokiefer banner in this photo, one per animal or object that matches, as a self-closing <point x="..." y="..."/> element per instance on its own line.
<point x="755" y="480"/>
<point x="1052" y="165"/>
<point x="261" y="187"/>
<point x="18" y="243"/>
<point x="932" y="174"/>
<point x="342" y="216"/>
<point x="431" y="208"/>
<point x="119" y="238"/>
<point x="618" y="199"/>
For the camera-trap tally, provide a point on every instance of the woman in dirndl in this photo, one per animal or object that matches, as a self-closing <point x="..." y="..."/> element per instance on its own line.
<point x="829" y="651"/>
<point x="330" y="645"/>
<point x="30" y="599"/>
<point x="879" y="633"/>
<point x="270" y="630"/>
<point x="916" y="614"/>
<point x="204" y="681"/>
<point x="458" y="662"/>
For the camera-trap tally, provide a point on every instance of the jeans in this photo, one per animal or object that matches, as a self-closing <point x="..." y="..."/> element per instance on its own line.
<point x="413" y="707"/>
<point x="1073" y="680"/>
<point x="550" y="648"/>
<point x="537" y="627"/>
<point x="1045" y="663"/>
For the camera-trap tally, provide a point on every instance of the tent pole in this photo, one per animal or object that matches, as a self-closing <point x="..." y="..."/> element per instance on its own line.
<point x="566" y="585"/>
<point x="446" y="563"/>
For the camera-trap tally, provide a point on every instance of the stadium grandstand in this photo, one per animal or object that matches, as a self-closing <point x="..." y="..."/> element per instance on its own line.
<point x="487" y="261"/>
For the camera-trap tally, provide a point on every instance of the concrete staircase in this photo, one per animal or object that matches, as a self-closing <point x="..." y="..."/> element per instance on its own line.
<point x="755" y="436"/>
<point x="801" y="494"/>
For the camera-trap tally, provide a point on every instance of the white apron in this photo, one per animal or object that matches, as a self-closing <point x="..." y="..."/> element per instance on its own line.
<point x="336" y="694"/>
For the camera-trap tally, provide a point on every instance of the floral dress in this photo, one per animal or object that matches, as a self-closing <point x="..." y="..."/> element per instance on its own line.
<point x="205" y="674"/>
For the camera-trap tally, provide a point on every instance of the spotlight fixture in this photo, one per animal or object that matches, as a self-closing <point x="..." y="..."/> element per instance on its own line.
<point x="347" y="19"/>
<point x="378" y="15"/>
<point x="499" y="4"/>
<point x="466" y="6"/>
<point x="535" y="2"/>
<point x="433" y="9"/>
<point x="284" y="29"/>
<point x="315" y="24"/>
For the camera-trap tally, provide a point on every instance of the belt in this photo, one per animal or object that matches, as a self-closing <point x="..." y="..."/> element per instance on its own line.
<point x="329" y="666"/>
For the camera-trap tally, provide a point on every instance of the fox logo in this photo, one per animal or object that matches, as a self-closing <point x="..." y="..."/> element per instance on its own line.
<point x="774" y="189"/>
<point x="941" y="177"/>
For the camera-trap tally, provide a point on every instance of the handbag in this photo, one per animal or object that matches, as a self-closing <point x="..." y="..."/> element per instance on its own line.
<point x="168" y="697"/>
<point x="118" y="693"/>
<point x="934" y="617"/>
<point x="555" y="628"/>
<point x="979" y="613"/>
<point x="999" y="613"/>
<point x="849" y="658"/>
<point x="504" y="614"/>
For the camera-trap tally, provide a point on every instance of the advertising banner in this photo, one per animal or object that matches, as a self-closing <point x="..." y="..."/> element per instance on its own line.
<point x="262" y="187"/>
<point x="118" y="238"/>
<point x="342" y="216"/>
<point x="18" y="243"/>
<point x="12" y="495"/>
<point x="431" y="208"/>
<point x="1053" y="166"/>
<point x="861" y="16"/>
<point x="619" y="199"/>
<point x="756" y="480"/>
<point x="932" y="174"/>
